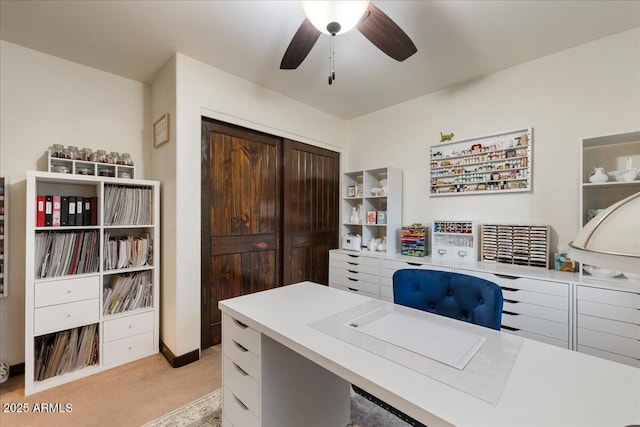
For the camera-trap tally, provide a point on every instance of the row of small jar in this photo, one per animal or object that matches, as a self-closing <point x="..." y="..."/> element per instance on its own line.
<point x="88" y="155"/>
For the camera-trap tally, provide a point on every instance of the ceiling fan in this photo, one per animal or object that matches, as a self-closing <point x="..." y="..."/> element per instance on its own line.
<point x="338" y="17"/>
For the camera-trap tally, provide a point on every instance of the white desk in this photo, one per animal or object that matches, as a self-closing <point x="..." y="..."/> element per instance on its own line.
<point x="548" y="386"/>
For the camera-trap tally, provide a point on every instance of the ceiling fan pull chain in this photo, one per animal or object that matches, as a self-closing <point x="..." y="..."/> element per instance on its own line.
<point x="332" y="74"/>
<point x="333" y="60"/>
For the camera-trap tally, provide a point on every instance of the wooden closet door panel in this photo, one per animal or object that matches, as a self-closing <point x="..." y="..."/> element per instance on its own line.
<point x="240" y="218"/>
<point x="243" y="187"/>
<point x="311" y="197"/>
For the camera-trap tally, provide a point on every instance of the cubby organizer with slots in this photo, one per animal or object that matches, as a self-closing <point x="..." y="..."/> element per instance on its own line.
<point x="92" y="275"/>
<point x="490" y="164"/>
<point x="516" y="244"/>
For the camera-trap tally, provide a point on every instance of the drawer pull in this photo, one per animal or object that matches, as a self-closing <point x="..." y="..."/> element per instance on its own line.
<point x="130" y="347"/>
<point x="239" y="369"/>
<point x="509" y="328"/>
<point x="130" y="326"/>
<point x="442" y="251"/>
<point x="505" y="276"/>
<point x="352" y="256"/>
<point x="415" y="264"/>
<point x="352" y="289"/>
<point x="68" y="291"/>
<point x="352" y="263"/>
<point x="242" y="405"/>
<point x="352" y="271"/>
<point x="504" y="288"/>
<point x="68" y="315"/>
<point x="241" y="347"/>
<point x="462" y="253"/>
<point x="510" y="313"/>
<point x="353" y="280"/>
<point x="511" y="301"/>
<point x="239" y="323"/>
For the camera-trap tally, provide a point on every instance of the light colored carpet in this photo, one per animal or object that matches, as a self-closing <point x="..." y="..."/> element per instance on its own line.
<point x="207" y="412"/>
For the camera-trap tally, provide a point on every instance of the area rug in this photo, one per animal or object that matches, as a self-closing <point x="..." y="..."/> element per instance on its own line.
<point x="207" y="412"/>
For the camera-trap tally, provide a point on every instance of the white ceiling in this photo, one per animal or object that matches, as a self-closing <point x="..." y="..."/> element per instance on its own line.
<point x="456" y="40"/>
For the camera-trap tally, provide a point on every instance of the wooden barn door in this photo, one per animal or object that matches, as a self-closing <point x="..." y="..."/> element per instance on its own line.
<point x="240" y="218"/>
<point x="311" y="197"/>
<point x="269" y="215"/>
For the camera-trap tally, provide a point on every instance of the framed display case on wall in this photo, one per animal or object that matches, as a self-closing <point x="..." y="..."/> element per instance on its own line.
<point x="489" y="164"/>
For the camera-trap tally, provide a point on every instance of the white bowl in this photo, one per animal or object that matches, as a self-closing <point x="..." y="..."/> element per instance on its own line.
<point x="600" y="272"/>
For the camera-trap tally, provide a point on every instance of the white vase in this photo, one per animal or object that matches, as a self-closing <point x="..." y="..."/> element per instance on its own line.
<point x="598" y="176"/>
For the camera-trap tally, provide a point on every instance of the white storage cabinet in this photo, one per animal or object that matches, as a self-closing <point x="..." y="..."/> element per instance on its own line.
<point x="355" y="272"/>
<point x="65" y="300"/>
<point x="608" y="323"/>
<point x="533" y="308"/>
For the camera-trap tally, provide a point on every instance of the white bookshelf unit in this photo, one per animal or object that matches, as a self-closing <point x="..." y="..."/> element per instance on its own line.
<point x="384" y="204"/>
<point x="91" y="282"/>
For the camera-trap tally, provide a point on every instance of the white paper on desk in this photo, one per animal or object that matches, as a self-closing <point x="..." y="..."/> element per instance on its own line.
<point x="445" y="344"/>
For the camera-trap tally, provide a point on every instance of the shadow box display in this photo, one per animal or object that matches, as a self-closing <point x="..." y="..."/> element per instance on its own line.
<point x="495" y="163"/>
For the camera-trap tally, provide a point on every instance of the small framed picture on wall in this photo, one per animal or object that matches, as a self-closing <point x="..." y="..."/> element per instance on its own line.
<point x="161" y="131"/>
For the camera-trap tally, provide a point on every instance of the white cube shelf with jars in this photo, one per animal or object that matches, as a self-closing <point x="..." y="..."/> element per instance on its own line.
<point x="85" y="161"/>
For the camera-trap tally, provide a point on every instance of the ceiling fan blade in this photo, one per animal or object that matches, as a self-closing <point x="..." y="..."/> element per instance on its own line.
<point x="300" y="45"/>
<point x="385" y="34"/>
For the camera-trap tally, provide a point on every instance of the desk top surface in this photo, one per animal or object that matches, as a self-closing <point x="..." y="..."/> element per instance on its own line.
<point x="547" y="386"/>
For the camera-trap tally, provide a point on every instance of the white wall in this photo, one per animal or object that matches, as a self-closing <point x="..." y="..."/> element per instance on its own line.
<point x="205" y="91"/>
<point x="47" y="100"/>
<point x="587" y="91"/>
<point x="591" y="90"/>
<point x="163" y="162"/>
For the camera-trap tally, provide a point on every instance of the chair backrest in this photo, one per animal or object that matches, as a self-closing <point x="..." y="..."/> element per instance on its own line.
<point x="454" y="295"/>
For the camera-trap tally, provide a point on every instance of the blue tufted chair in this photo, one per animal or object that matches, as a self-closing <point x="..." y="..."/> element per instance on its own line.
<point x="454" y="295"/>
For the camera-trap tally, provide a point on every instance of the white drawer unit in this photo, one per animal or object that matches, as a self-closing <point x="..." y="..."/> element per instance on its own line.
<point x="355" y="273"/>
<point x="241" y="373"/>
<point x="65" y="316"/>
<point x="127" y="326"/>
<point x="127" y="349"/>
<point x="67" y="289"/>
<point x="533" y="308"/>
<point x="608" y="323"/>
<point x="388" y="267"/>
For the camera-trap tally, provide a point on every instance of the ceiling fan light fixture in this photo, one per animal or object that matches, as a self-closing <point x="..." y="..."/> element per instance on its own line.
<point x="346" y="13"/>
